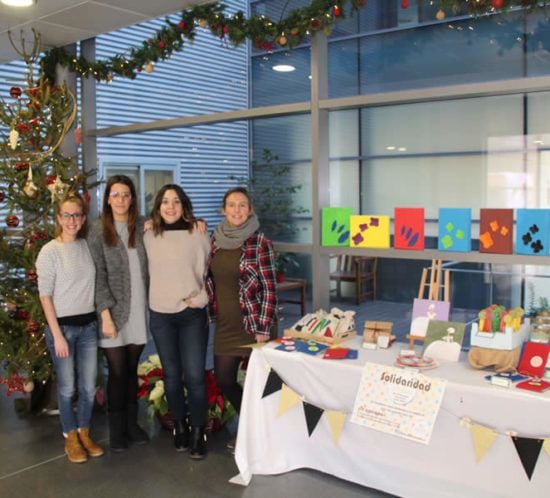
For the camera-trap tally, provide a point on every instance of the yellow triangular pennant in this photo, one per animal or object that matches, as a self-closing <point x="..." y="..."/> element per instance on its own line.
<point x="288" y="399"/>
<point x="546" y="445"/>
<point x="336" y="422"/>
<point x="483" y="438"/>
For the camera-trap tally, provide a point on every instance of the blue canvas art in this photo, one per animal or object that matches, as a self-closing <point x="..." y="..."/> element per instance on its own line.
<point x="532" y="231"/>
<point x="455" y="229"/>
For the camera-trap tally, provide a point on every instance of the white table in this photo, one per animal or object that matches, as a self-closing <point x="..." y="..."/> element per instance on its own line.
<point x="268" y="444"/>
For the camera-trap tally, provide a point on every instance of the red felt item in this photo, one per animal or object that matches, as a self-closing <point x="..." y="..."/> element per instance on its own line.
<point x="336" y="354"/>
<point x="535" y="385"/>
<point x="534" y="358"/>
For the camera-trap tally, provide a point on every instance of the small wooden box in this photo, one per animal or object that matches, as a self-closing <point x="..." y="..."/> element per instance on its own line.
<point x="372" y="330"/>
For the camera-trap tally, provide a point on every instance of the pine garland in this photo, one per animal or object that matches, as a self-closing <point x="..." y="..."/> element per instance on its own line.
<point x="265" y="33"/>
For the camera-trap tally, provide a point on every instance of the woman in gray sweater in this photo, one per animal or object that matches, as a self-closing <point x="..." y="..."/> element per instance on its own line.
<point x="116" y="245"/>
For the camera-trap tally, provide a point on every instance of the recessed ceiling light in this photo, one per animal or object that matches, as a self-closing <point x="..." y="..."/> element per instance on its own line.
<point x="18" y="3"/>
<point x="284" y="68"/>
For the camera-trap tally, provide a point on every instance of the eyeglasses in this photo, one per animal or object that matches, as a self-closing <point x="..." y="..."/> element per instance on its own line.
<point x="74" y="216"/>
<point x="122" y="195"/>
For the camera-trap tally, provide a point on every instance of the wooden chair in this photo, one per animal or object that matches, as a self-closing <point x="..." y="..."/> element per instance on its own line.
<point x="360" y="270"/>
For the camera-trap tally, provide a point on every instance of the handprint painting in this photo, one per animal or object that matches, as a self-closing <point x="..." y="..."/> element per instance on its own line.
<point x="409" y="229"/>
<point x="335" y="228"/>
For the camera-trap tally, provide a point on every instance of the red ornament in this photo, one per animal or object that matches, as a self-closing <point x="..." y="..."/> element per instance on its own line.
<point x="12" y="221"/>
<point x="32" y="327"/>
<point x="162" y="44"/>
<point x="22" y="127"/>
<point x="497" y="4"/>
<point x="50" y="180"/>
<point x="181" y="25"/>
<point x="32" y="276"/>
<point x="2" y="196"/>
<point x="15" y="92"/>
<point x="34" y="121"/>
<point x="225" y="30"/>
<point x="404" y="4"/>
<point x="315" y="23"/>
<point x="21" y="166"/>
<point x="23" y="314"/>
<point x="336" y="11"/>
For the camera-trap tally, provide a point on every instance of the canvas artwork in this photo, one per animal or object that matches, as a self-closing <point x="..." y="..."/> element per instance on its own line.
<point x="408" y="229"/>
<point x="370" y="231"/>
<point x="532" y="231"/>
<point x="444" y="340"/>
<point x="425" y="310"/>
<point x="455" y="229"/>
<point x="496" y="228"/>
<point x="335" y="226"/>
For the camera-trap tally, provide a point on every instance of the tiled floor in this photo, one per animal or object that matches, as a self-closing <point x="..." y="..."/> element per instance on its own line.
<point x="33" y="463"/>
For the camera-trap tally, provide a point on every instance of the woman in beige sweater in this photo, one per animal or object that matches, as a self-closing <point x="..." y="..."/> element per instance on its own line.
<point x="177" y="255"/>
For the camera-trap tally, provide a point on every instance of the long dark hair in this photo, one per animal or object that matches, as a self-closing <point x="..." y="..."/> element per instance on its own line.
<point x="110" y="235"/>
<point x="75" y="198"/>
<point x="187" y="209"/>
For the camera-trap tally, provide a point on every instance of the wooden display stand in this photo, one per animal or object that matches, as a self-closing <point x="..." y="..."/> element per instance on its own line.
<point x="437" y="288"/>
<point x="320" y="338"/>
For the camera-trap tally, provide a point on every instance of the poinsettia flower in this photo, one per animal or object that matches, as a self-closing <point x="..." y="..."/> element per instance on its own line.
<point x="158" y="390"/>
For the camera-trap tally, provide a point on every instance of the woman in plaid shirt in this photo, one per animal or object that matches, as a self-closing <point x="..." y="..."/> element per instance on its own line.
<point x="241" y="288"/>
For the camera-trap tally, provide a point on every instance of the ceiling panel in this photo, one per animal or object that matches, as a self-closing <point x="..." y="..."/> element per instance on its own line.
<point x="61" y="22"/>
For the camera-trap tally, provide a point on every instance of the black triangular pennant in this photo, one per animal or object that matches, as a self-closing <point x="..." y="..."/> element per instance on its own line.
<point x="528" y="450"/>
<point x="273" y="383"/>
<point x="313" y="414"/>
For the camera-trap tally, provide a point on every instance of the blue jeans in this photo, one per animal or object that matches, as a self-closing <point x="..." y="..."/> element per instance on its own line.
<point x="181" y="340"/>
<point x="82" y="343"/>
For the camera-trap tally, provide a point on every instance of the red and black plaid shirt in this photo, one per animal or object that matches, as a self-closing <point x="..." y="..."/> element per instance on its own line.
<point x="257" y="293"/>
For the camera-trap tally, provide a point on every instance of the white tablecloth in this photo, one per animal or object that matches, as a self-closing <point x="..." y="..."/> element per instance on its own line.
<point x="268" y="444"/>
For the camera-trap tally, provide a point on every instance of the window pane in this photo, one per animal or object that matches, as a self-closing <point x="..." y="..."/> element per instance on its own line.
<point x="153" y="181"/>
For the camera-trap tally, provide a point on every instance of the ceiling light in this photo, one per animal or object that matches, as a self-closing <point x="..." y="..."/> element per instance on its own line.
<point x="284" y="68"/>
<point x="18" y="3"/>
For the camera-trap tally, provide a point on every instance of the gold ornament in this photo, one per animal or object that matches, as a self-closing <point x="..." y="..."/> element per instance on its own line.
<point x="202" y="23"/>
<point x="440" y="15"/>
<point x="282" y="41"/>
<point x="149" y="67"/>
<point x="14" y="136"/>
<point x="28" y="386"/>
<point x="30" y="189"/>
<point x="57" y="188"/>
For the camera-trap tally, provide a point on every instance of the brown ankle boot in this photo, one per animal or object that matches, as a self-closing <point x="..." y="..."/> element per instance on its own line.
<point x="75" y="452"/>
<point x="93" y="449"/>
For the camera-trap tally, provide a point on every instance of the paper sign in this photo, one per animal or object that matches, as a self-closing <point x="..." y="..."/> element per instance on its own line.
<point x="398" y="401"/>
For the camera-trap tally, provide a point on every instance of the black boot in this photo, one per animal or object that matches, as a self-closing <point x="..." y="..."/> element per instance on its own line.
<point x="198" y="443"/>
<point x="117" y="431"/>
<point x="181" y="435"/>
<point x="135" y="433"/>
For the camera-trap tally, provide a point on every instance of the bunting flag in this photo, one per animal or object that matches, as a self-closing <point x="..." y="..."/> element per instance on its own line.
<point x="313" y="415"/>
<point x="272" y="384"/>
<point x="483" y="438"/>
<point x="528" y="450"/>
<point x="288" y="399"/>
<point x="336" y="422"/>
<point x="546" y="446"/>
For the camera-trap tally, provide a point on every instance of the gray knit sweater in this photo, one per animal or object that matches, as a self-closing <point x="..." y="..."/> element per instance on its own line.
<point x="112" y="289"/>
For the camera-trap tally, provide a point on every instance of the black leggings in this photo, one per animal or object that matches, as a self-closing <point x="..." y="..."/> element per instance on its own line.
<point x="123" y="381"/>
<point x="226" y="369"/>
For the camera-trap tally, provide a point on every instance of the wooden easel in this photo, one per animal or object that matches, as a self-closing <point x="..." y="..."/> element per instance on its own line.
<point x="435" y="288"/>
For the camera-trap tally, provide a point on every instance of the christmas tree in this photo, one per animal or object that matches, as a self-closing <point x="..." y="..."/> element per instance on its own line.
<point x="34" y="119"/>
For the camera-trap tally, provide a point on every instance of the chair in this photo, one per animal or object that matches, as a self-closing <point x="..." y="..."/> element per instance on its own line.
<point x="360" y="270"/>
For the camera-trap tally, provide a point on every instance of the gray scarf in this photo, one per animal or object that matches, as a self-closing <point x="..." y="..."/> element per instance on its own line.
<point x="228" y="237"/>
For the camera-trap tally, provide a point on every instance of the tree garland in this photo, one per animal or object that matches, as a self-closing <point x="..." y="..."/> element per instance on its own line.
<point x="319" y="15"/>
